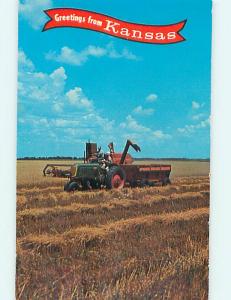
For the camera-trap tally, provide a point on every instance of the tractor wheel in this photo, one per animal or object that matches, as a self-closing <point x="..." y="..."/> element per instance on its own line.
<point x="115" y="178"/>
<point x="71" y="187"/>
<point x="143" y="183"/>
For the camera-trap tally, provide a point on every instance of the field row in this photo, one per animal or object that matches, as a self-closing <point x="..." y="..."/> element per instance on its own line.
<point x="61" y="218"/>
<point x="134" y="258"/>
<point x="34" y="199"/>
<point x="85" y="235"/>
<point x="56" y="184"/>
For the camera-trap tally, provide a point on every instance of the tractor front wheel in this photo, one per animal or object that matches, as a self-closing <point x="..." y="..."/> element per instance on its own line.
<point x="115" y="178"/>
<point x="71" y="187"/>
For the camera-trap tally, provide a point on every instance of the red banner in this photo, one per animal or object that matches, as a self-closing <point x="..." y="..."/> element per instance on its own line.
<point x="152" y="34"/>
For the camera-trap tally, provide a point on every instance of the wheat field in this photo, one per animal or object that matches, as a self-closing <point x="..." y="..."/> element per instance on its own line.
<point x="140" y="243"/>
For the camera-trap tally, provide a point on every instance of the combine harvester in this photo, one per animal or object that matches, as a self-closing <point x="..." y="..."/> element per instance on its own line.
<point x="114" y="170"/>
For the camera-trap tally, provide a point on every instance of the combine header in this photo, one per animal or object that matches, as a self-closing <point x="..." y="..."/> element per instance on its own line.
<point x="54" y="170"/>
<point x="114" y="170"/>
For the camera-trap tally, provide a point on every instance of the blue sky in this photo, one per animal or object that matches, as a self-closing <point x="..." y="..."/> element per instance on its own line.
<point x="76" y="85"/>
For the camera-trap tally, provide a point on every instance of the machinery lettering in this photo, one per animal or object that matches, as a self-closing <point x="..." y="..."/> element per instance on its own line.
<point x="144" y="169"/>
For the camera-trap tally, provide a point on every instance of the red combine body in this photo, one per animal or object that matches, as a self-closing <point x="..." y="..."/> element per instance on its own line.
<point x="116" y="157"/>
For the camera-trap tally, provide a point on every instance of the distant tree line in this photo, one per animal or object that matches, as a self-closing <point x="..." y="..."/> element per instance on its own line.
<point x="174" y="158"/>
<point x="50" y="158"/>
<point x="81" y="158"/>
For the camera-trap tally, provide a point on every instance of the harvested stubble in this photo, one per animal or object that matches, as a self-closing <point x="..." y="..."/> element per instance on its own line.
<point x="131" y="244"/>
<point x="61" y="218"/>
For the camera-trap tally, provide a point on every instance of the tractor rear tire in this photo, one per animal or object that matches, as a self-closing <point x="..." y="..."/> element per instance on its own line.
<point x="115" y="178"/>
<point x="71" y="187"/>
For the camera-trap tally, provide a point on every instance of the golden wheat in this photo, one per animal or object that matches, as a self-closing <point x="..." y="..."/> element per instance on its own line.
<point x="142" y="243"/>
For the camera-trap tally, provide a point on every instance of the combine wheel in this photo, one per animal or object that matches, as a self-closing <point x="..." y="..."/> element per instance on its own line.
<point x="133" y="184"/>
<point x="115" y="178"/>
<point x="71" y="187"/>
<point x="166" y="181"/>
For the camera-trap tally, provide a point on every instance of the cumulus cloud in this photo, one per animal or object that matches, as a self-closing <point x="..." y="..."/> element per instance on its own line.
<point x="197" y="112"/>
<point x="25" y="64"/>
<point x="32" y="11"/>
<point x="159" y="134"/>
<point x="69" y="113"/>
<point x="151" y="98"/>
<point x="39" y="86"/>
<point x="132" y="124"/>
<point x="138" y="131"/>
<point x="188" y="129"/>
<point x="64" y="122"/>
<point x="198" y="116"/>
<point x="58" y="107"/>
<point x="125" y="53"/>
<point x="59" y="75"/>
<point x="73" y="57"/>
<point x="139" y="110"/>
<point x="77" y="98"/>
<point x="196" y="105"/>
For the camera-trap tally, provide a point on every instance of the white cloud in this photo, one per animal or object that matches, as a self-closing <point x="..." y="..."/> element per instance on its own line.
<point x="159" y="134"/>
<point x="94" y="51"/>
<point x="38" y="122"/>
<point x="59" y="75"/>
<point x="125" y="53"/>
<point x="198" y="116"/>
<point x="39" y="86"/>
<point x="58" y="107"/>
<point x="25" y="64"/>
<point x="132" y="124"/>
<point x="64" y="123"/>
<point x="68" y="113"/>
<point x="204" y="123"/>
<point x="72" y="57"/>
<point x="151" y="98"/>
<point x="139" y="110"/>
<point x="138" y="131"/>
<point x="76" y="97"/>
<point x="32" y="11"/>
<point x="196" y="105"/>
<point x="78" y="132"/>
<point x="187" y="129"/>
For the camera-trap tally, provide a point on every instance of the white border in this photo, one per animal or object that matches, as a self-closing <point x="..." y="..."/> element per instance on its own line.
<point x="220" y="215"/>
<point x="8" y="87"/>
<point x="220" y="221"/>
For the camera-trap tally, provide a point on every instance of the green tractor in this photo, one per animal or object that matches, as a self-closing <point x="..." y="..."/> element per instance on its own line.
<point x="100" y="170"/>
<point x="94" y="176"/>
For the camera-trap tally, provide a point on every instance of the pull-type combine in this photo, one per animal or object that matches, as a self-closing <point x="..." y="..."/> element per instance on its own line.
<point x="114" y="170"/>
